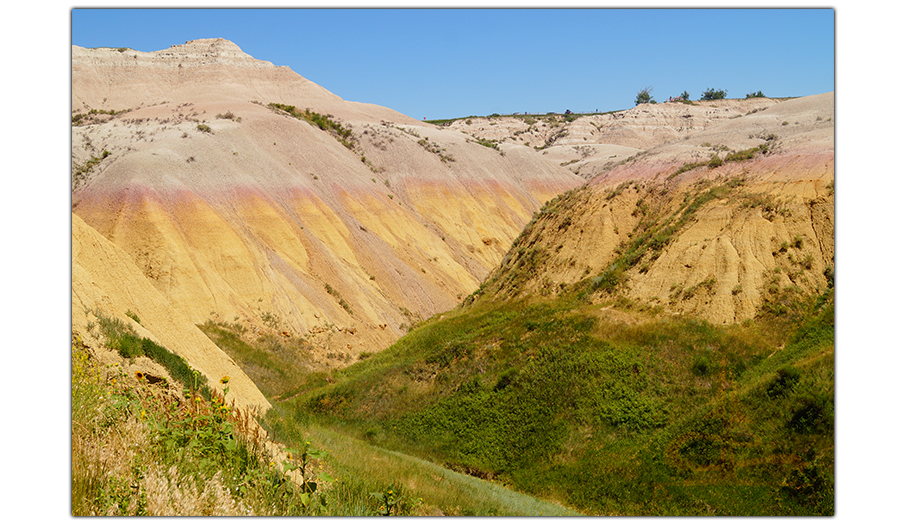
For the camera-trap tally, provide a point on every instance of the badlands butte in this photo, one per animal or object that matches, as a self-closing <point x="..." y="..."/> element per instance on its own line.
<point x="211" y="186"/>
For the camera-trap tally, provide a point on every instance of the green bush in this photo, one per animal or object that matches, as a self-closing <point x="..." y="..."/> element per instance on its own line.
<point x="712" y="94"/>
<point x="643" y="97"/>
<point x="785" y="380"/>
<point x="701" y="366"/>
<point x="758" y="94"/>
<point x="814" y="413"/>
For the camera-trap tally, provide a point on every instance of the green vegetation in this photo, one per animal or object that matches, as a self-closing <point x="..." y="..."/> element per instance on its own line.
<point x="228" y="115"/>
<point x="715" y="161"/>
<point x="528" y="118"/>
<point x="199" y="456"/>
<point x="343" y="134"/>
<point x="132" y="316"/>
<point x="343" y="303"/>
<point x="688" y="167"/>
<point x="204" y="128"/>
<point x="92" y="117"/>
<point x="488" y="143"/>
<point x="121" y="336"/>
<point x="758" y="94"/>
<point x="712" y="94"/>
<point x="278" y="364"/>
<point x="323" y="122"/>
<point x="654" y="232"/>
<point x="364" y="470"/>
<point x="643" y="97"/>
<point x="555" y="136"/>
<point x="80" y="172"/>
<point x="140" y="450"/>
<point x="682" y="417"/>
<point x="434" y="148"/>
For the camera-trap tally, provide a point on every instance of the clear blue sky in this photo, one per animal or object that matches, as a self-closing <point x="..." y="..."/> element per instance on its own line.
<point x="442" y="63"/>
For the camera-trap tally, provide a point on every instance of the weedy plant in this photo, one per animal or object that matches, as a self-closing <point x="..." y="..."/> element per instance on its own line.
<point x="388" y="500"/>
<point x="301" y="459"/>
<point x="140" y="449"/>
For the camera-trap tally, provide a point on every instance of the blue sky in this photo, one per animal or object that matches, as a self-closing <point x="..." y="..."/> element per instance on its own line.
<point x="443" y="63"/>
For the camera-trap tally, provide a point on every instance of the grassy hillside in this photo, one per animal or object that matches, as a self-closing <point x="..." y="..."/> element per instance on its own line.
<point x="605" y="410"/>
<point x="170" y="445"/>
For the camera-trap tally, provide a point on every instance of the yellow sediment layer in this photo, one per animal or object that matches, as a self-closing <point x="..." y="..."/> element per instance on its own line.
<point x="414" y="242"/>
<point x="324" y="224"/>
<point x="105" y="279"/>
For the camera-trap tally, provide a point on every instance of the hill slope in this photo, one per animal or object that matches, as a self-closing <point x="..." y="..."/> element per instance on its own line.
<point x="721" y="224"/>
<point x="600" y="364"/>
<point x="249" y="195"/>
<point x="106" y="283"/>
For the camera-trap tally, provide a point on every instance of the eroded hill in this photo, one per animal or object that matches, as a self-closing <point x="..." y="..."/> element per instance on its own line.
<point x="721" y="224"/>
<point x="591" y="144"/>
<point x="250" y="196"/>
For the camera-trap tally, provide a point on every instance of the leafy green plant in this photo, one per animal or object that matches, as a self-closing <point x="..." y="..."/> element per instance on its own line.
<point x="488" y="143"/>
<point x="122" y="337"/>
<point x="93" y="116"/>
<point x="687" y="167"/>
<point x="669" y="407"/>
<point x="138" y="449"/>
<point x="271" y="320"/>
<point x="758" y="94"/>
<point x="388" y="500"/>
<point x="204" y="128"/>
<point x="701" y="366"/>
<point x="300" y="459"/>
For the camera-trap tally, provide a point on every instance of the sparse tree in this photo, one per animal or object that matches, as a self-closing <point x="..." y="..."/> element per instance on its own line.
<point x="644" y="97"/>
<point x="711" y="94"/>
<point x="685" y="96"/>
<point x="755" y="95"/>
